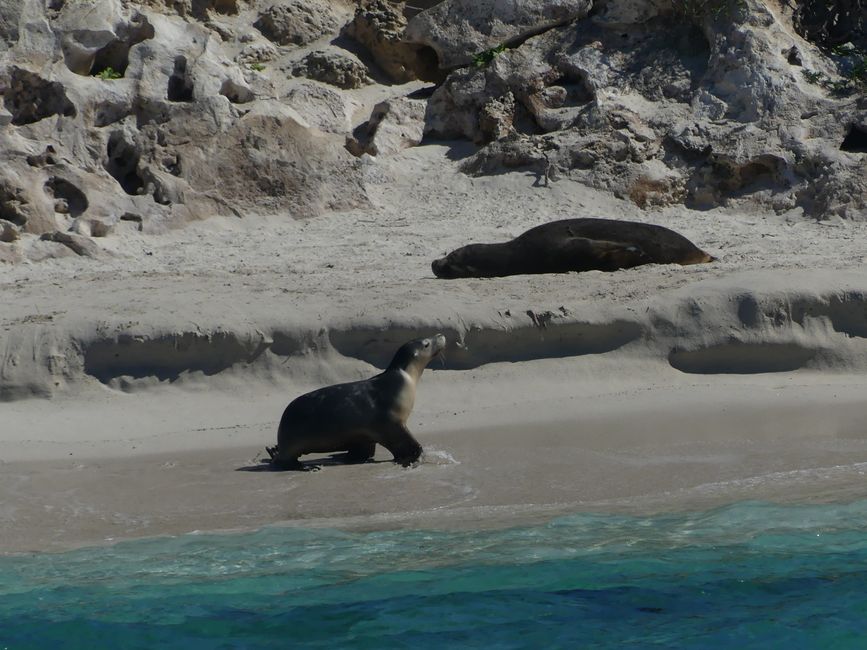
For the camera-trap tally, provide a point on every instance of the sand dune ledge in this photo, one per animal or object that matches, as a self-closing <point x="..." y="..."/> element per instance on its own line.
<point x="739" y="323"/>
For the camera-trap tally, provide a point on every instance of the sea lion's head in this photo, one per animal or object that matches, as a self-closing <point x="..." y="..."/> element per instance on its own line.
<point x="418" y="353"/>
<point x="461" y="263"/>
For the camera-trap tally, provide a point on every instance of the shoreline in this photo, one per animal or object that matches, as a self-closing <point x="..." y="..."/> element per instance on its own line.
<point x="795" y="437"/>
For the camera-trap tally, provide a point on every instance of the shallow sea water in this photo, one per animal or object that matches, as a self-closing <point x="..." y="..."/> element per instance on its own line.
<point x="746" y="575"/>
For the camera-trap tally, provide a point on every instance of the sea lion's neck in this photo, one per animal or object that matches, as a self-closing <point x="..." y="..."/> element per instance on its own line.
<point x="494" y="257"/>
<point x="413" y="371"/>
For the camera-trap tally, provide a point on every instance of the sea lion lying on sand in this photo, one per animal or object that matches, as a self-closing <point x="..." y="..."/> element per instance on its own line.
<point x="354" y="417"/>
<point x="572" y="245"/>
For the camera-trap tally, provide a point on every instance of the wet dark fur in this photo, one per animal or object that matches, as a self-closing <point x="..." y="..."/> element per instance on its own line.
<point x="572" y="245"/>
<point x="352" y="417"/>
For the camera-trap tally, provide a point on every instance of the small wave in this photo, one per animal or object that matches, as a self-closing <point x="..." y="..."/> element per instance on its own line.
<point x="438" y="457"/>
<point x="780" y="479"/>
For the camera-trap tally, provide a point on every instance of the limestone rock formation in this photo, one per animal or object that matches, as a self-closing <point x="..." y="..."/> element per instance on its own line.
<point x="379" y="26"/>
<point x="147" y="114"/>
<point x="729" y="106"/>
<point x="154" y="113"/>
<point x="459" y="30"/>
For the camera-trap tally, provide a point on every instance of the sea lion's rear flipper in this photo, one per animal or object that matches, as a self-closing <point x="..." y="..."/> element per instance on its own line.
<point x="601" y="254"/>
<point x="360" y="452"/>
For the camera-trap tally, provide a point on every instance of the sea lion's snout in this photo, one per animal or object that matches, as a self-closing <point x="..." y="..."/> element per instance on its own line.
<point x="440" y="268"/>
<point x="433" y="346"/>
<point x="438" y="342"/>
<point x="451" y="268"/>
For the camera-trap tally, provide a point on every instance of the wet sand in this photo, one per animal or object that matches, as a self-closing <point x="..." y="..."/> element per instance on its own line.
<point x="797" y="437"/>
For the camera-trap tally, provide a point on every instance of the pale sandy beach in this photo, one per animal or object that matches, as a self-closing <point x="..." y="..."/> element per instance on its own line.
<point x="142" y="387"/>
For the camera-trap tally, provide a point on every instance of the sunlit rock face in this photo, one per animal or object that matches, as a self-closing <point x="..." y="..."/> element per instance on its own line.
<point x="156" y="113"/>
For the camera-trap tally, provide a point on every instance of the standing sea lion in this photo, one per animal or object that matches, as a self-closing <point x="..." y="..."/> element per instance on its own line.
<point x="572" y="245"/>
<point x="353" y="417"/>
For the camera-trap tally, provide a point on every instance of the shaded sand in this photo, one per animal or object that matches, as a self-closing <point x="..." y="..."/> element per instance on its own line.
<point x="673" y="446"/>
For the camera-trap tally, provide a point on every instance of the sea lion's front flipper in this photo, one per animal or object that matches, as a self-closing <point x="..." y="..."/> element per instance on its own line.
<point x="400" y="442"/>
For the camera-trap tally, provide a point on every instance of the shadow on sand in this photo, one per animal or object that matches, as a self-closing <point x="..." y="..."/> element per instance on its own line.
<point x="312" y="465"/>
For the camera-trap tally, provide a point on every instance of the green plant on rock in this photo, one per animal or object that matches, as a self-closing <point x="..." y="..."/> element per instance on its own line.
<point x="851" y="62"/>
<point x="484" y="58"/>
<point x="258" y="67"/>
<point x="108" y="74"/>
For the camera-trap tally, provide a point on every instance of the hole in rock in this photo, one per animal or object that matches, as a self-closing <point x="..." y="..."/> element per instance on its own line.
<point x="226" y="6"/>
<point x="30" y="98"/>
<point x="578" y="89"/>
<point x="122" y="163"/>
<point x="74" y="197"/>
<point x="115" y="55"/>
<point x="855" y="141"/>
<point x="180" y="84"/>
<point x="428" y="65"/>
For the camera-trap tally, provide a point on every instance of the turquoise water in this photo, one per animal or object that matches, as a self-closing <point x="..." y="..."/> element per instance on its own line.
<point x="747" y="575"/>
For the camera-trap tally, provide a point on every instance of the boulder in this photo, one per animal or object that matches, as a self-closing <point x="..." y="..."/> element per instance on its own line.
<point x="324" y="108"/>
<point x="9" y="232"/>
<point x="340" y="69"/>
<point x="78" y="244"/>
<point x="22" y="199"/>
<point x="296" y="22"/>
<point x="268" y="161"/>
<point x="395" y="124"/>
